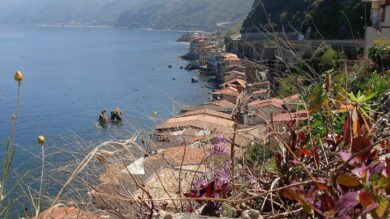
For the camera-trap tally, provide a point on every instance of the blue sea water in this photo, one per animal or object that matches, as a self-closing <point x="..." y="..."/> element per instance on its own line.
<point x="71" y="74"/>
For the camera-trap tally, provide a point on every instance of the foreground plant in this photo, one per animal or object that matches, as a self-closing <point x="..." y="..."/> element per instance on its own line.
<point x="6" y="201"/>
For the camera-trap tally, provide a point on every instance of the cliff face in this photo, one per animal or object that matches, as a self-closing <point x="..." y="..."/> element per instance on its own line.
<point x="341" y="19"/>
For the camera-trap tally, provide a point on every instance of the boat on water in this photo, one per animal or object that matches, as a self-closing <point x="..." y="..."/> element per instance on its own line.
<point x="194" y="80"/>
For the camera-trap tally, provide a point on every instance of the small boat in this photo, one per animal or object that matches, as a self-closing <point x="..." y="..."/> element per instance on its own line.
<point x="169" y="66"/>
<point x="194" y="80"/>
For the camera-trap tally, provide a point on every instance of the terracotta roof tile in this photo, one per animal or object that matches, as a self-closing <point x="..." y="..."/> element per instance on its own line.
<point x="296" y="98"/>
<point x="223" y="103"/>
<point x="231" y="91"/>
<point x="261" y="91"/>
<point x="301" y="115"/>
<point x="63" y="212"/>
<point x="241" y="82"/>
<point x="205" y="122"/>
<point x="192" y="155"/>
<point x="205" y="112"/>
<point x="268" y="102"/>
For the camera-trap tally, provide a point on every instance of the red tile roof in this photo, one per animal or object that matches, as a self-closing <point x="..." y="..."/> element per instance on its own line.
<point x="63" y="212"/>
<point x="268" y="102"/>
<point x="301" y="115"/>
<point x="192" y="156"/>
<point x="239" y="81"/>
<point x="261" y="91"/>
<point x="264" y="84"/>
<point x="231" y="91"/>
<point x="206" y="112"/>
<point x="223" y="103"/>
<point x="230" y="57"/>
<point x="296" y="98"/>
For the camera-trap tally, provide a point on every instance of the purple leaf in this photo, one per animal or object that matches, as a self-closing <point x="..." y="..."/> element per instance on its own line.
<point x="343" y="217"/>
<point x="295" y="162"/>
<point x="360" y="171"/>
<point x="346" y="203"/>
<point x="376" y="167"/>
<point x="369" y="208"/>
<point x="345" y="156"/>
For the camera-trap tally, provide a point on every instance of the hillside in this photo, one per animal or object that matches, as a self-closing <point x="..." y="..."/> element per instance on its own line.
<point x="185" y="14"/>
<point x="173" y="14"/>
<point x="308" y="16"/>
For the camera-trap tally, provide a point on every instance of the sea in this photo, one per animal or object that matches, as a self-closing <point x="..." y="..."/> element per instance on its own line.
<point x="73" y="73"/>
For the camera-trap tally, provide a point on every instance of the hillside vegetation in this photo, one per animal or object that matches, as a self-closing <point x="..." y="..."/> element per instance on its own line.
<point x="185" y="14"/>
<point x="344" y="19"/>
<point x="160" y="14"/>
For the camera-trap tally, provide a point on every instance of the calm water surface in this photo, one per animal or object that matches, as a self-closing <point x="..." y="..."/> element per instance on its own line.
<point x="73" y="73"/>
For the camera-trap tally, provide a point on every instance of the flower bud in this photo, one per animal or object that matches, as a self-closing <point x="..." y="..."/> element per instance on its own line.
<point x="19" y="76"/>
<point x="41" y="140"/>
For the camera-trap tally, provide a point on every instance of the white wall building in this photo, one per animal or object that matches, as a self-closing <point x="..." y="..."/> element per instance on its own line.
<point x="380" y="22"/>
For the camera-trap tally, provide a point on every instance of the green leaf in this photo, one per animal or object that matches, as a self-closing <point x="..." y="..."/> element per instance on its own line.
<point x="348" y="181"/>
<point x="316" y="98"/>
<point x="383" y="182"/>
<point x="352" y="97"/>
<point x="369" y="97"/>
<point x="382" y="207"/>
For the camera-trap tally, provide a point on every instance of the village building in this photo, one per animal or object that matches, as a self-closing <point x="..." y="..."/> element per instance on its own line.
<point x="64" y="212"/>
<point x="223" y="106"/>
<point x="260" y="94"/>
<point x="197" y="41"/>
<point x="380" y="22"/>
<point x="203" y="53"/>
<point x="283" y="121"/>
<point x="259" y="85"/>
<point x="237" y="83"/>
<point x="234" y="74"/>
<point x="261" y="111"/>
<point x="222" y="62"/>
<point x="298" y="116"/>
<point x="293" y="102"/>
<point x="159" y="174"/>
<point x="228" y="93"/>
<point x="191" y="126"/>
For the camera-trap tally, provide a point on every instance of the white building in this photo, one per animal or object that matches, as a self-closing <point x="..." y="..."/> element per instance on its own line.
<point x="380" y="22"/>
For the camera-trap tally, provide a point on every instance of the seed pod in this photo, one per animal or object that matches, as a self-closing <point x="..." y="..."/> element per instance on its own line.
<point x="41" y="140"/>
<point x="19" y="76"/>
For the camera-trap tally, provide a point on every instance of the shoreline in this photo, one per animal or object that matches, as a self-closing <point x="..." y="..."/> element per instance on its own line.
<point x="115" y="27"/>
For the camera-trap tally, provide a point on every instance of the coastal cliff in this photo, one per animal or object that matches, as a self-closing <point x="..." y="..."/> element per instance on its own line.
<point x="344" y="19"/>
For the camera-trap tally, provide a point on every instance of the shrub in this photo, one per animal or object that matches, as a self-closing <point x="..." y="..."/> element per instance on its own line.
<point x="323" y="59"/>
<point x="380" y="54"/>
